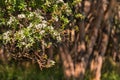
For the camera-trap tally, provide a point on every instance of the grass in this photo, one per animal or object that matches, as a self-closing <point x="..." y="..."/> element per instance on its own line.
<point x="27" y="71"/>
<point x="13" y="72"/>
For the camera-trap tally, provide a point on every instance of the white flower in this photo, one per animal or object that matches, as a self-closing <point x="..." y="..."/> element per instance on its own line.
<point x="44" y="25"/>
<point x="44" y="22"/>
<point x="20" y="35"/>
<point x="55" y="34"/>
<point x="38" y="15"/>
<point x="12" y="19"/>
<point x="56" y="18"/>
<point x="39" y="26"/>
<point x="42" y="32"/>
<point x="31" y="14"/>
<point x="58" y="38"/>
<point x="23" y="43"/>
<point x="60" y="1"/>
<point x="21" y="16"/>
<point x="30" y="25"/>
<point x="51" y="28"/>
<point x="6" y="35"/>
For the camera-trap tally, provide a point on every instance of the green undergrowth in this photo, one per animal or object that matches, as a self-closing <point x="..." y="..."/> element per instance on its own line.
<point x="13" y="72"/>
<point x="28" y="71"/>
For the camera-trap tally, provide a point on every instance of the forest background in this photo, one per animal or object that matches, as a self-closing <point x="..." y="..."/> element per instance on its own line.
<point x="59" y="40"/>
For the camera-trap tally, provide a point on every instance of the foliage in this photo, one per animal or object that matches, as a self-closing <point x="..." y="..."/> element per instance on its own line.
<point x="82" y="31"/>
<point x="16" y="72"/>
<point x="32" y="72"/>
<point x="27" y="26"/>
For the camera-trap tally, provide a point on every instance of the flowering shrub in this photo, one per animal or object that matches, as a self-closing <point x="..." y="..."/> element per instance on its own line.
<point x="28" y="26"/>
<point x="81" y="31"/>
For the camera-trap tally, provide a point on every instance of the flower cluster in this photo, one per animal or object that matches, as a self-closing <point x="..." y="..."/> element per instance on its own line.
<point x="36" y="31"/>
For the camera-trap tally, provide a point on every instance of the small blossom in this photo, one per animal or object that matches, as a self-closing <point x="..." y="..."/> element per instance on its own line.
<point x="44" y="22"/>
<point x="58" y="38"/>
<point x="38" y="15"/>
<point x="31" y="14"/>
<point x="60" y="1"/>
<point x="30" y="26"/>
<point x="19" y="35"/>
<point x="55" y="34"/>
<point x="6" y="36"/>
<point x="39" y="26"/>
<point x="23" y="43"/>
<point x="56" y="18"/>
<point x="21" y="16"/>
<point x="42" y="32"/>
<point x="12" y="19"/>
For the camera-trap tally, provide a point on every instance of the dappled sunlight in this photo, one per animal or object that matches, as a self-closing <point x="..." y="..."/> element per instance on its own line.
<point x="59" y="39"/>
